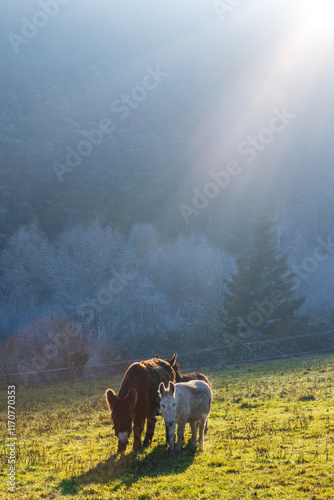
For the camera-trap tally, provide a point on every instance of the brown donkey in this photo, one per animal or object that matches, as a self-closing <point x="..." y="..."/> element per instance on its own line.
<point x="136" y="401"/>
<point x="179" y="377"/>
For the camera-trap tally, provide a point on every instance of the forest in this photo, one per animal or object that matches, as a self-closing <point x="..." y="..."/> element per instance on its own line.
<point x="140" y="146"/>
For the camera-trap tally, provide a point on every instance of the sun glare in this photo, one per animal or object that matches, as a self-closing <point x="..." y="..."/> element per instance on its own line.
<point x="316" y="22"/>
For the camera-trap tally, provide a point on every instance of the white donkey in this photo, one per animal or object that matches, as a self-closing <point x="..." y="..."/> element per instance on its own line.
<point x="185" y="402"/>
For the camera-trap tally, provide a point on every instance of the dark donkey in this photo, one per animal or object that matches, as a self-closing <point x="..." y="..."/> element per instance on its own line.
<point x="136" y="401"/>
<point x="188" y="376"/>
<point x="185" y="378"/>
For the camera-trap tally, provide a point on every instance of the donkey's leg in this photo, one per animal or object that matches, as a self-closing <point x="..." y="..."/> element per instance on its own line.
<point x="171" y="437"/>
<point x="201" y="425"/>
<point x="193" y="426"/>
<point x="138" y="428"/>
<point x="149" y="430"/>
<point x="180" y="434"/>
<point x="167" y="433"/>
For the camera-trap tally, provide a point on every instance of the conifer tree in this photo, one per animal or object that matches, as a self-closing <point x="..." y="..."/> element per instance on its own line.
<point x="259" y="300"/>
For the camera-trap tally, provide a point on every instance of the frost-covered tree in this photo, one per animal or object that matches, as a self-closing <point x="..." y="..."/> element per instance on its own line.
<point x="175" y="297"/>
<point x="87" y="256"/>
<point x="136" y="292"/>
<point x="27" y="265"/>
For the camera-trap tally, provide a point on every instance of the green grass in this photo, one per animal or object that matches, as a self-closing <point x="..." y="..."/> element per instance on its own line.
<point x="271" y="435"/>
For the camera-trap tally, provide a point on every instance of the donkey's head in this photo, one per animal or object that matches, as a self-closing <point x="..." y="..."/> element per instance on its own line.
<point x="174" y="365"/>
<point x="171" y="361"/>
<point x="122" y="414"/>
<point x="168" y="403"/>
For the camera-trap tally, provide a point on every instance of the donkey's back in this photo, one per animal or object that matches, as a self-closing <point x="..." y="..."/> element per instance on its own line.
<point x="193" y="400"/>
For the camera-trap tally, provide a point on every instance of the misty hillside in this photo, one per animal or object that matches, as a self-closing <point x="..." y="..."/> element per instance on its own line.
<point x="178" y="122"/>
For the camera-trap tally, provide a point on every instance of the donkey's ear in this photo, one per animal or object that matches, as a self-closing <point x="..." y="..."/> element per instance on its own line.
<point x="131" y="399"/>
<point x="111" y="399"/>
<point x="162" y="389"/>
<point x="171" y="387"/>
<point x="173" y="360"/>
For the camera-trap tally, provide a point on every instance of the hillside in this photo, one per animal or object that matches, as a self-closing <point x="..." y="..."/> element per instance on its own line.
<point x="149" y="137"/>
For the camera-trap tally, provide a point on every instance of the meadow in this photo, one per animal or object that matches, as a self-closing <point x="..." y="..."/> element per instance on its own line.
<point x="270" y="436"/>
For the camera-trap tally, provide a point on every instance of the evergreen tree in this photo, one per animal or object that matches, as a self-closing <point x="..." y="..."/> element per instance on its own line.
<point x="259" y="300"/>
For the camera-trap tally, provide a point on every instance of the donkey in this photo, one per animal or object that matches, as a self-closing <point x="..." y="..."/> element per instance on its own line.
<point x="185" y="402"/>
<point x="179" y="377"/>
<point x="136" y="401"/>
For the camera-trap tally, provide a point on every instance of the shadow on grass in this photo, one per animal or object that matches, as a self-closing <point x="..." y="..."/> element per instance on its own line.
<point x="131" y="468"/>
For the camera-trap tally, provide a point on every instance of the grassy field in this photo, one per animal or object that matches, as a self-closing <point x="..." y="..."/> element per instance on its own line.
<point x="271" y="435"/>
